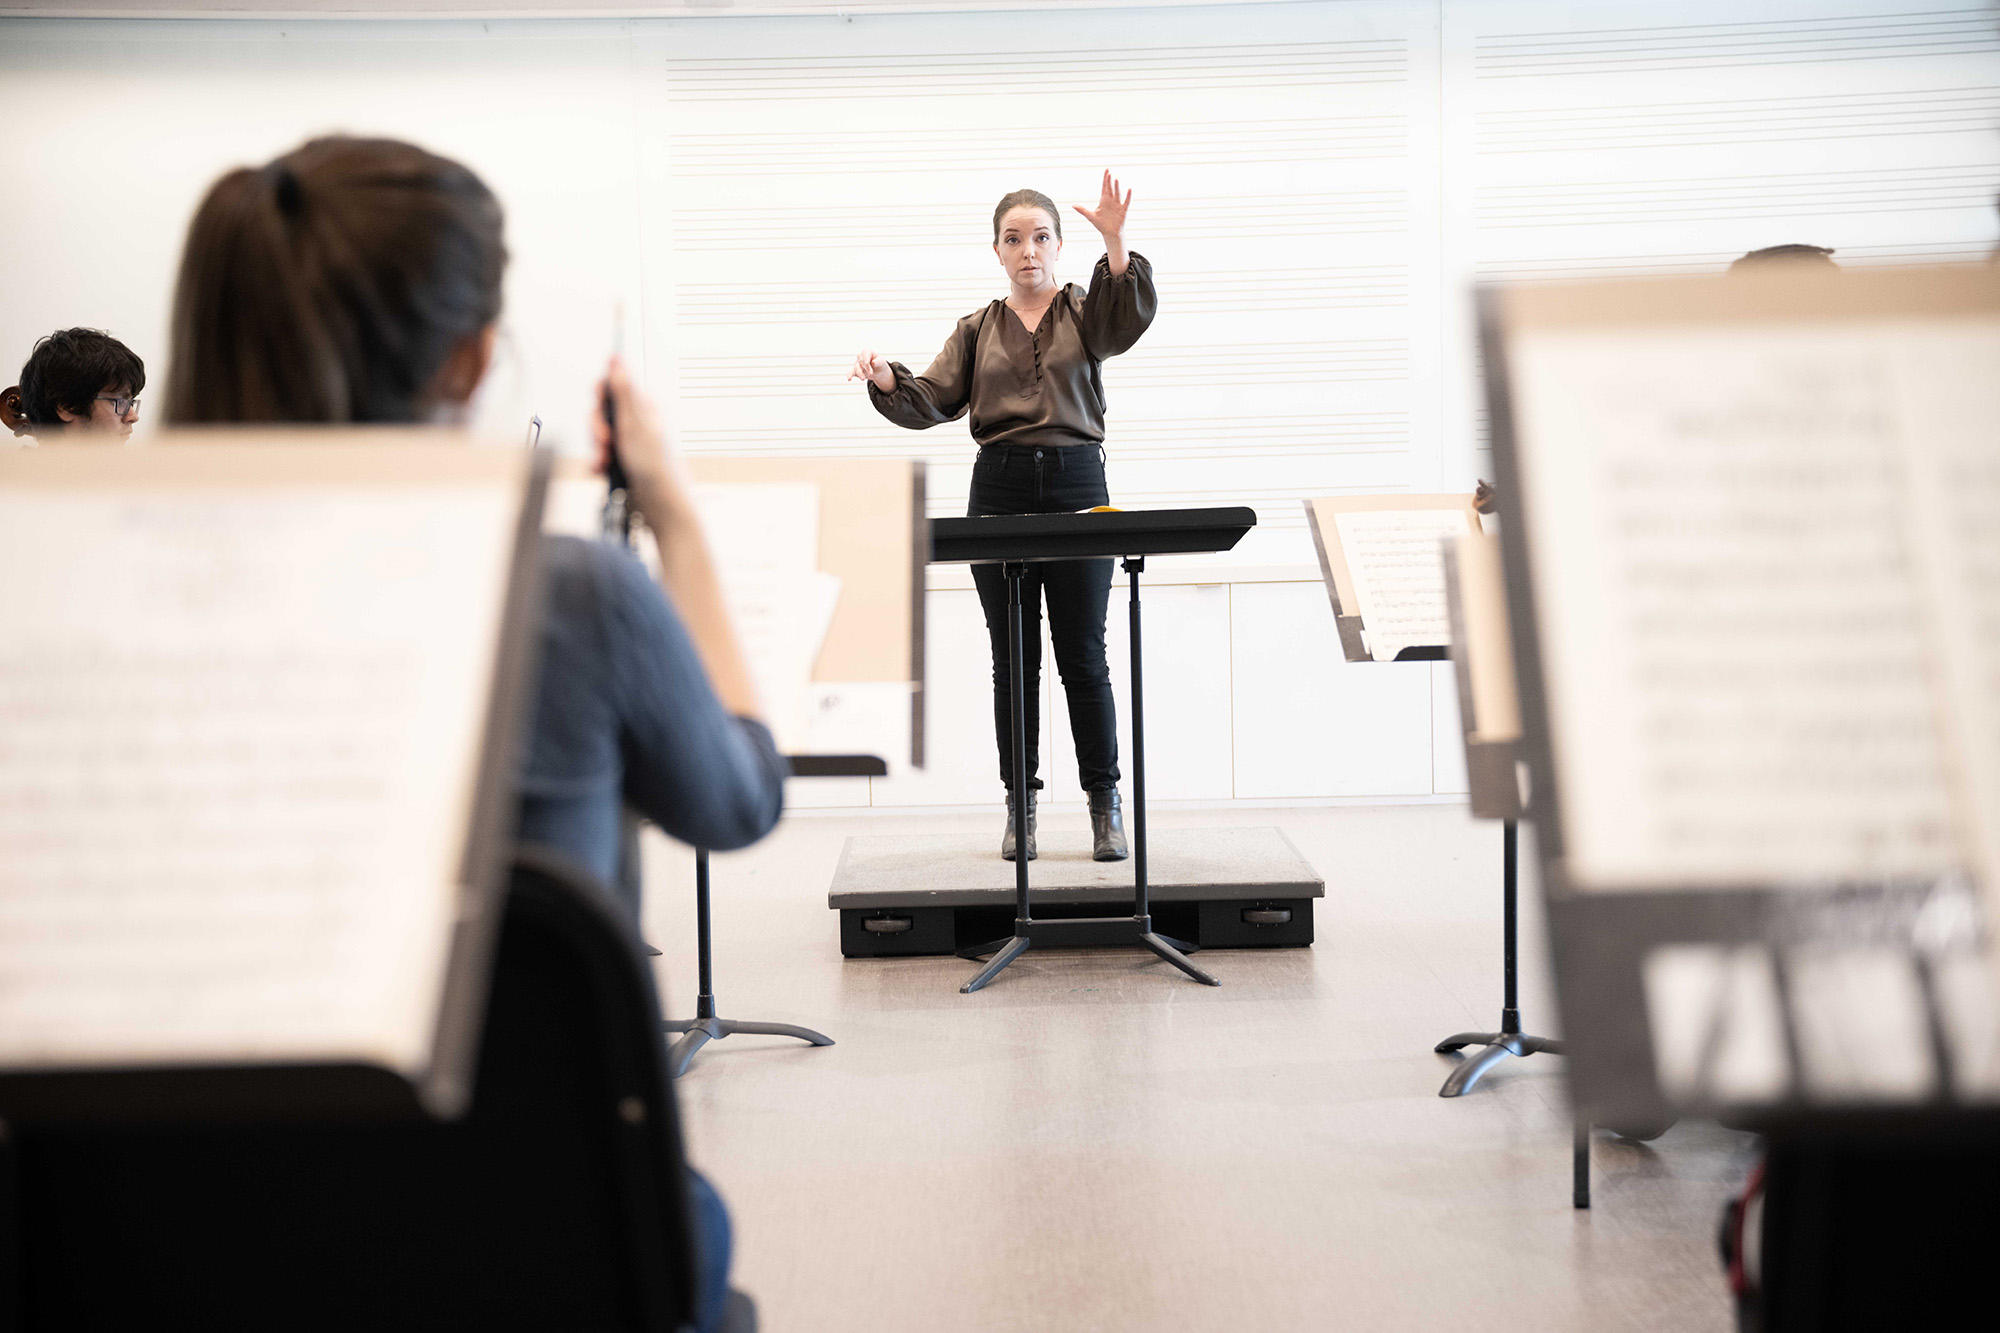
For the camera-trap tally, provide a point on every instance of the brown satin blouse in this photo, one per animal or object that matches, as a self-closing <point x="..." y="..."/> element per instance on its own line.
<point x="1043" y="388"/>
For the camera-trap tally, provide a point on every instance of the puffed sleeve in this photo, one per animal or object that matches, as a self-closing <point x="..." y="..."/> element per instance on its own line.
<point x="1117" y="310"/>
<point x="941" y="393"/>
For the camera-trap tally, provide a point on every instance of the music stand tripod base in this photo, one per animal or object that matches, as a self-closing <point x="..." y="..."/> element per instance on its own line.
<point x="1081" y="932"/>
<point x="1509" y="1040"/>
<point x="705" y="1026"/>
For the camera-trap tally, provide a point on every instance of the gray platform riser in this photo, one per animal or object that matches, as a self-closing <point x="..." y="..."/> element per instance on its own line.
<point x="1209" y="924"/>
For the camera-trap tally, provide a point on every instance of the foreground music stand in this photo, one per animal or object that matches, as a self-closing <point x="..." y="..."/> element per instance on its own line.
<point x="706" y="1026"/>
<point x="1012" y="542"/>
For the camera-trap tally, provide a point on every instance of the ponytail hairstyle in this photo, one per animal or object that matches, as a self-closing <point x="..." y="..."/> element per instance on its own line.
<point x="332" y="285"/>
<point x="1026" y="199"/>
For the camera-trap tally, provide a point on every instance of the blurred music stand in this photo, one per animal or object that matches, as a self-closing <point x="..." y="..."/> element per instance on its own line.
<point x="1471" y="575"/>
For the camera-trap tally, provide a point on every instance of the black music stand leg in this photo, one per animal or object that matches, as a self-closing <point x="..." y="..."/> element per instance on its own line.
<point x="1014" y="948"/>
<point x="705" y="1026"/>
<point x="1142" y="907"/>
<point x="979" y="951"/>
<point x="1159" y="945"/>
<point x="1509" y="1040"/>
<point x="1579" y="1167"/>
<point x="1017" y="692"/>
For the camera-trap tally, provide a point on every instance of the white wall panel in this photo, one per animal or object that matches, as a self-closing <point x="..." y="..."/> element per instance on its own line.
<point x="1186" y="651"/>
<point x="824" y="187"/>
<point x="1447" y="739"/>
<point x="114" y="131"/>
<point x="1656" y="136"/>
<point x="1309" y="723"/>
<point x="962" y="765"/>
<point x="1318" y="184"/>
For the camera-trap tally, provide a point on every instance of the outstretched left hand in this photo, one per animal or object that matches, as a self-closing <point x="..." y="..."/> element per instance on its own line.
<point x="1109" y="216"/>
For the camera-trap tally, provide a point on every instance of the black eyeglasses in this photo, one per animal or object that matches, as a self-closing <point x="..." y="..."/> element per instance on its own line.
<point x="121" y="406"/>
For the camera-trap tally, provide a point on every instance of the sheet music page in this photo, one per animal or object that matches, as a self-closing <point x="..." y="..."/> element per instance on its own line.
<point x="1732" y="632"/>
<point x="764" y="537"/>
<point x="1948" y="381"/>
<point x="1393" y="556"/>
<point x="765" y="540"/>
<point x="239" y="730"/>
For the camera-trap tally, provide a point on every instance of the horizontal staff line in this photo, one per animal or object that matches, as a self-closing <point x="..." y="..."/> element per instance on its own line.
<point x="1663" y="64"/>
<point x="983" y="90"/>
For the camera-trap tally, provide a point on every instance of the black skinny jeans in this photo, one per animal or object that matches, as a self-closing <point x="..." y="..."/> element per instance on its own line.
<point x="1023" y="479"/>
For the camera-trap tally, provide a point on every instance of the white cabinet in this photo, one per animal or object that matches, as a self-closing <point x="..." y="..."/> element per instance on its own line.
<point x="1185" y="639"/>
<point x="1310" y="723"/>
<point x="961" y="765"/>
<point x="1447" y="744"/>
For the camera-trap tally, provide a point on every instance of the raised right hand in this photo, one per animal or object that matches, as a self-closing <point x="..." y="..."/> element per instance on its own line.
<point x="871" y="367"/>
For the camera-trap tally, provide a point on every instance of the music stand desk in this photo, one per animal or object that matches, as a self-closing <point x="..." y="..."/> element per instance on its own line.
<point x="1013" y="541"/>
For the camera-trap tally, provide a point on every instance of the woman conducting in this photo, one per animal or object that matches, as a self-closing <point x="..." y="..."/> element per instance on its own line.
<point x="1027" y="368"/>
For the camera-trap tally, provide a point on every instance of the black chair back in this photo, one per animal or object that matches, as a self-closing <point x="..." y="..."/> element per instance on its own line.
<point x="559" y="1201"/>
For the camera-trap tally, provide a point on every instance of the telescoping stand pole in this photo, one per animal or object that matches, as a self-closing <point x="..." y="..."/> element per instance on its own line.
<point x="1509" y="1040"/>
<point x="1174" y="951"/>
<point x="1135" y="929"/>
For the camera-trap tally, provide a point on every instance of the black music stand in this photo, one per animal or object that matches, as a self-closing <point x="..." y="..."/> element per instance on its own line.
<point x="706" y="1026"/>
<point x="1509" y="1040"/>
<point x="1012" y="542"/>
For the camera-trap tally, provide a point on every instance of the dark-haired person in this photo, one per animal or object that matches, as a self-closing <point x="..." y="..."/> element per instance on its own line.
<point x="80" y="383"/>
<point x="358" y="280"/>
<point x="1027" y="369"/>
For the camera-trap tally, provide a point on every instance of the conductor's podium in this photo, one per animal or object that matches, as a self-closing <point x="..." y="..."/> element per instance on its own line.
<point x="937" y="894"/>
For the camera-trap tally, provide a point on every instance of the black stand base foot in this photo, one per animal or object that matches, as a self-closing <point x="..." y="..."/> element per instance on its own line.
<point x="1171" y="951"/>
<point x="1499" y="1045"/>
<point x="698" y="1032"/>
<point x="1013" y="948"/>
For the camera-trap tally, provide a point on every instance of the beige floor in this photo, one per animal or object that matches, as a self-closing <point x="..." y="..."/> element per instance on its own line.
<point x="1094" y="1144"/>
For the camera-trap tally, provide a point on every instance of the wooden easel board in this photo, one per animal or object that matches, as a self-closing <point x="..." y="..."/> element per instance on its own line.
<point x="1376" y="555"/>
<point x="262" y="692"/>
<point x="1482" y="657"/>
<point x="874" y="536"/>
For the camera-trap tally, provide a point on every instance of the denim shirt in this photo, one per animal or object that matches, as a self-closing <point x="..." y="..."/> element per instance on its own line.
<point x="625" y="716"/>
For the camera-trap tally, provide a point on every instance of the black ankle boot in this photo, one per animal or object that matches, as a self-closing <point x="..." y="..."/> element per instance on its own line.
<point x="1107" y="826"/>
<point x="1007" y="838"/>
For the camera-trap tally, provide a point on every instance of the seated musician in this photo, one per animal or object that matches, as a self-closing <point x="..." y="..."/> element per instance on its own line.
<point x="359" y="280"/>
<point x="78" y="384"/>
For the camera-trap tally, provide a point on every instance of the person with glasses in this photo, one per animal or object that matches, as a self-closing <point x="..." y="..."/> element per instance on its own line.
<point x="78" y="383"/>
